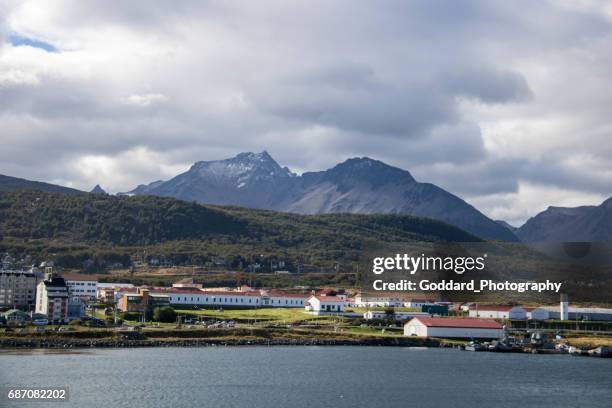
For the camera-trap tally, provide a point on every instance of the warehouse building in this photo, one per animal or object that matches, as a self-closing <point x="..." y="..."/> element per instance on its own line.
<point x="448" y="327"/>
<point x="498" y="312"/>
<point x="580" y="313"/>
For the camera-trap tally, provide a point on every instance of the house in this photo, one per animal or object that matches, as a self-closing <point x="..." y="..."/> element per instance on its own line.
<point x="81" y="286"/>
<point x="363" y="300"/>
<point x="372" y="315"/>
<point x="418" y="303"/>
<point x="187" y="283"/>
<point x="15" y="317"/>
<point x="498" y="312"/>
<point x="76" y="308"/>
<point x="451" y="327"/>
<point x="537" y="313"/>
<point x="105" y="291"/>
<point x="324" y="304"/>
<point x="142" y="302"/>
<point x="52" y="297"/>
<point x="39" y="319"/>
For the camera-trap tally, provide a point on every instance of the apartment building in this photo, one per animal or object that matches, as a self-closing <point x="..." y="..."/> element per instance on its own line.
<point x="18" y="289"/>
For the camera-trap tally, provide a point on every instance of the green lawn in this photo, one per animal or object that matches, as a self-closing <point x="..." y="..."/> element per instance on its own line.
<point x="277" y="315"/>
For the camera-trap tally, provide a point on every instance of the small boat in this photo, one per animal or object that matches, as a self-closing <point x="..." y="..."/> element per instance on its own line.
<point x="474" y="346"/>
<point x="500" y="346"/>
<point x="574" y="351"/>
<point x="601" y="351"/>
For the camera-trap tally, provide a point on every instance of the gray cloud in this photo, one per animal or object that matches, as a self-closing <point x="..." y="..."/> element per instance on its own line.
<point x="478" y="97"/>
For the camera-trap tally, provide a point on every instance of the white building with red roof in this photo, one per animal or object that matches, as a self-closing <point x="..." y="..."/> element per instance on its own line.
<point x="452" y="327"/>
<point x="197" y="297"/>
<point x="278" y="298"/>
<point x="325" y="304"/>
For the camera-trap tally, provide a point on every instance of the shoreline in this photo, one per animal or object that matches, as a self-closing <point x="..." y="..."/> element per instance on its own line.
<point x="31" y="343"/>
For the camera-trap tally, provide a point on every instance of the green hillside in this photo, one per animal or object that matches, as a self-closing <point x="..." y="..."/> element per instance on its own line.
<point x="73" y="228"/>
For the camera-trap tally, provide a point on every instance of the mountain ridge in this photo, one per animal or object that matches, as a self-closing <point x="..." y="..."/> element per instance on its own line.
<point x="588" y="223"/>
<point x="9" y="183"/>
<point x="359" y="185"/>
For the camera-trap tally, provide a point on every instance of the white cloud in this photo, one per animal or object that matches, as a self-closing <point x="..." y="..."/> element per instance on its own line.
<point x="144" y="100"/>
<point x="506" y="104"/>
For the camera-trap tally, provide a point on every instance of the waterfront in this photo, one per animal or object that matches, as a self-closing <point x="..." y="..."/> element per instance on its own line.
<point x="310" y="377"/>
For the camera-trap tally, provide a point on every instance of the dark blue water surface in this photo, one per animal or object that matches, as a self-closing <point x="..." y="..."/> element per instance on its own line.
<point x="282" y="377"/>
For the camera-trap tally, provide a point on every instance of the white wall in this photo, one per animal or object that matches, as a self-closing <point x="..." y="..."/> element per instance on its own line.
<point x="414" y="327"/>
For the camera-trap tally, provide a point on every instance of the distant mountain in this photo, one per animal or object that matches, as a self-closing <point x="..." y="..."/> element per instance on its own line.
<point x="506" y="225"/>
<point x="98" y="190"/>
<point x="358" y="185"/>
<point x="566" y="224"/>
<point x="8" y="183"/>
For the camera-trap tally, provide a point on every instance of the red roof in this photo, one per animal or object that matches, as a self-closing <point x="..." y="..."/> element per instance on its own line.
<point x="494" y="308"/>
<point x="289" y="295"/>
<point x="458" y="322"/>
<point x="77" y="277"/>
<point x="328" y="298"/>
<point x="221" y="293"/>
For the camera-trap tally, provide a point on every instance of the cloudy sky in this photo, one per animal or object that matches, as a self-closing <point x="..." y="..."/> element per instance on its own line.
<point x="506" y="104"/>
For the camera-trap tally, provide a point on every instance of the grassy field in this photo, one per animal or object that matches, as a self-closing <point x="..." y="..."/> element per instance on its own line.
<point x="270" y="315"/>
<point x="590" y="342"/>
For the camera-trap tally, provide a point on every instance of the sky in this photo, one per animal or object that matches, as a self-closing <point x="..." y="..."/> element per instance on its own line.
<point x="505" y="104"/>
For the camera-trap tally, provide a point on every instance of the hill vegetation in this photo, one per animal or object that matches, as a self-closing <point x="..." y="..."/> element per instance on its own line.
<point x="103" y="229"/>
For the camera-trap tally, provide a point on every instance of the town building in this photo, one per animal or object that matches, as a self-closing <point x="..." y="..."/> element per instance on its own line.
<point x="39" y="319"/>
<point x="52" y="297"/>
<point x="537" y="313"/>
<point x="364" y="300"/>
<point x="142" y="302"/>
<point x="278" y="298"/>
<point x="450" y="327"/>
<point x="214" y="298"/>
<point x="18" y="289"/>
<point x="580" y="313"/>
<point x="105" y="291"/>
<point x="375" y="315"/>
<point x="498" y="312"/>
<point x="325" y="304"/>
<point x="187" y="283"/>
<point x="15" y="317"/>
<point x="418" y="303"/>
<point x="81" y="286"/>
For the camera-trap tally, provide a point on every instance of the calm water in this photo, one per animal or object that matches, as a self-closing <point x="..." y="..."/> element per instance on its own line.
<point x="311" y="377"/>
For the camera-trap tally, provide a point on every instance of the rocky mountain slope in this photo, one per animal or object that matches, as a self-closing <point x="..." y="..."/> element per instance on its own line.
<point x="358" y="185"/>
<point x="564" y="224"/>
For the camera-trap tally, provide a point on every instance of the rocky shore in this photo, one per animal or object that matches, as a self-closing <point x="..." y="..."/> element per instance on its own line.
<point x="69" y="343"/>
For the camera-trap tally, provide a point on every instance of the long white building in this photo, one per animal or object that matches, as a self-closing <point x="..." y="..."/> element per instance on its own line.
<point x="498" y="312"/>
<point x="449" y="327"/>
<point x="227" y="298"/>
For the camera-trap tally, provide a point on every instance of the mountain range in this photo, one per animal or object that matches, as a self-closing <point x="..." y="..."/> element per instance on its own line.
<point x="358" y="186"/>
<point x="564" y="224"/>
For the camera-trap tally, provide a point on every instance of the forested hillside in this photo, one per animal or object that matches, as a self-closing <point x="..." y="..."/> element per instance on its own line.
<point x="72" y="228"/>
